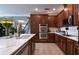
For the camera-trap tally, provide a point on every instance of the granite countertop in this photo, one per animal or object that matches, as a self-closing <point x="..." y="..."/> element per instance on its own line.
<point x="8" y="46"/>
<point x="75" y="38"/>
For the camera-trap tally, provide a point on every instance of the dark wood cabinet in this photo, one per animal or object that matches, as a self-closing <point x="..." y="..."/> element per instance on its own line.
<point x="52" y="21"/>
<point x="56" y="39"/>
<point x="37" y="19"/>
<point x="72" y="10"/>
<point x="68" y="46"/>
<point x="51" y="37"/>
<point x="69" y="10"/>
<point x="64" y="44"/>
<point x="75" y="14"/>
<point x="60" y="18"/>
<point x="76" y="48"/>
<point x="61" y="42"/>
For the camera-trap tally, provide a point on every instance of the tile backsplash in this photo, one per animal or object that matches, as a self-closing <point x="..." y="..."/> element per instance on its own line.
<point x="72" y="30"/>
<point x="52" y="29"/>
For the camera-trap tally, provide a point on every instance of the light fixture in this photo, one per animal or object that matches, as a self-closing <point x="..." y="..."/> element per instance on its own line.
<point x="54" y="9"/>
<point x="65" y="9"/>
<point x="36" y="9"/>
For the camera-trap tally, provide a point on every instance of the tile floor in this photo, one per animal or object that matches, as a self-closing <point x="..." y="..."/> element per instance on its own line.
<point x="47" y="49"/>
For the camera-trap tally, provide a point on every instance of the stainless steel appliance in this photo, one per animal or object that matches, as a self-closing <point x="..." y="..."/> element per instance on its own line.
<point x="43" y="31"/>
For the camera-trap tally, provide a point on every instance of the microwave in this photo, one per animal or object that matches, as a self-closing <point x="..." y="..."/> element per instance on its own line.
<point x="68" y="21"/>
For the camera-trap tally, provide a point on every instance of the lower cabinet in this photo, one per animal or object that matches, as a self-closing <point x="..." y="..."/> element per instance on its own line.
<point x="76" y="48"/>
<point x="26" y="49"/>
<point x="63" y="44"/>
<point x="51" y="37"/>
<point x="68" y="46"/>
<point x="57" y="39"/>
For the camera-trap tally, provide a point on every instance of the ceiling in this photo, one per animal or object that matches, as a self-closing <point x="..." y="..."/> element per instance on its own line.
<point x="27" y="9"/>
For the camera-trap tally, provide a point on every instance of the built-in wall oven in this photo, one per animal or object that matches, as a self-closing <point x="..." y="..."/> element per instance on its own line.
<point x="43" y="31"/>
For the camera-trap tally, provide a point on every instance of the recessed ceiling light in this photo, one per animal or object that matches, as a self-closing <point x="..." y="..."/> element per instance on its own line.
<point x="36" y="9"/>
<point x="54" y="9"/>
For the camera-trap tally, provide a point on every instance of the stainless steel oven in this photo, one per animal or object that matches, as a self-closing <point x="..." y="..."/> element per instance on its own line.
<point x="43" y="31"/>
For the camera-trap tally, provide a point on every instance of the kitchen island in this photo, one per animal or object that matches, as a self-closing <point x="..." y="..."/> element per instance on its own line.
<point x="16" y="46"/>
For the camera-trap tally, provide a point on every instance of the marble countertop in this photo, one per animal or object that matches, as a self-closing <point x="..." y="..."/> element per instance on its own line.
<point x="75" y="38"/>
<point x="8" y="46"/>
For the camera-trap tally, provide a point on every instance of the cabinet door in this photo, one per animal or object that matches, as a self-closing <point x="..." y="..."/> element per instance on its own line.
<point x="56" y="39"/>
<point x="75" y="14"/>
<point x="51" y="37"/>
<point x="76" y="48"/>
<point x="52" y="21"/>
<point x="61" y="42"/>
<point x="60" y="19"/>
<point x="44" y="19"/>
<point x="70" y="47"/>
<point x="35" y="20"/>
<point x="64" y="44"/>
<point x="72" y="11"/>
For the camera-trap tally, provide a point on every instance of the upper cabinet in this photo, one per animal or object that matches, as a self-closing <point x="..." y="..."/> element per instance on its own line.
<point x="37" y="19"/>
<point x="52" y="21"/>
<point x="72" y="11"/>
<point x="68" y="9"/>
<point x="75" y="14"/>
<point x="69" y="16"/>
<point x="60" y="18"/>
<point x="43" y="19"/>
